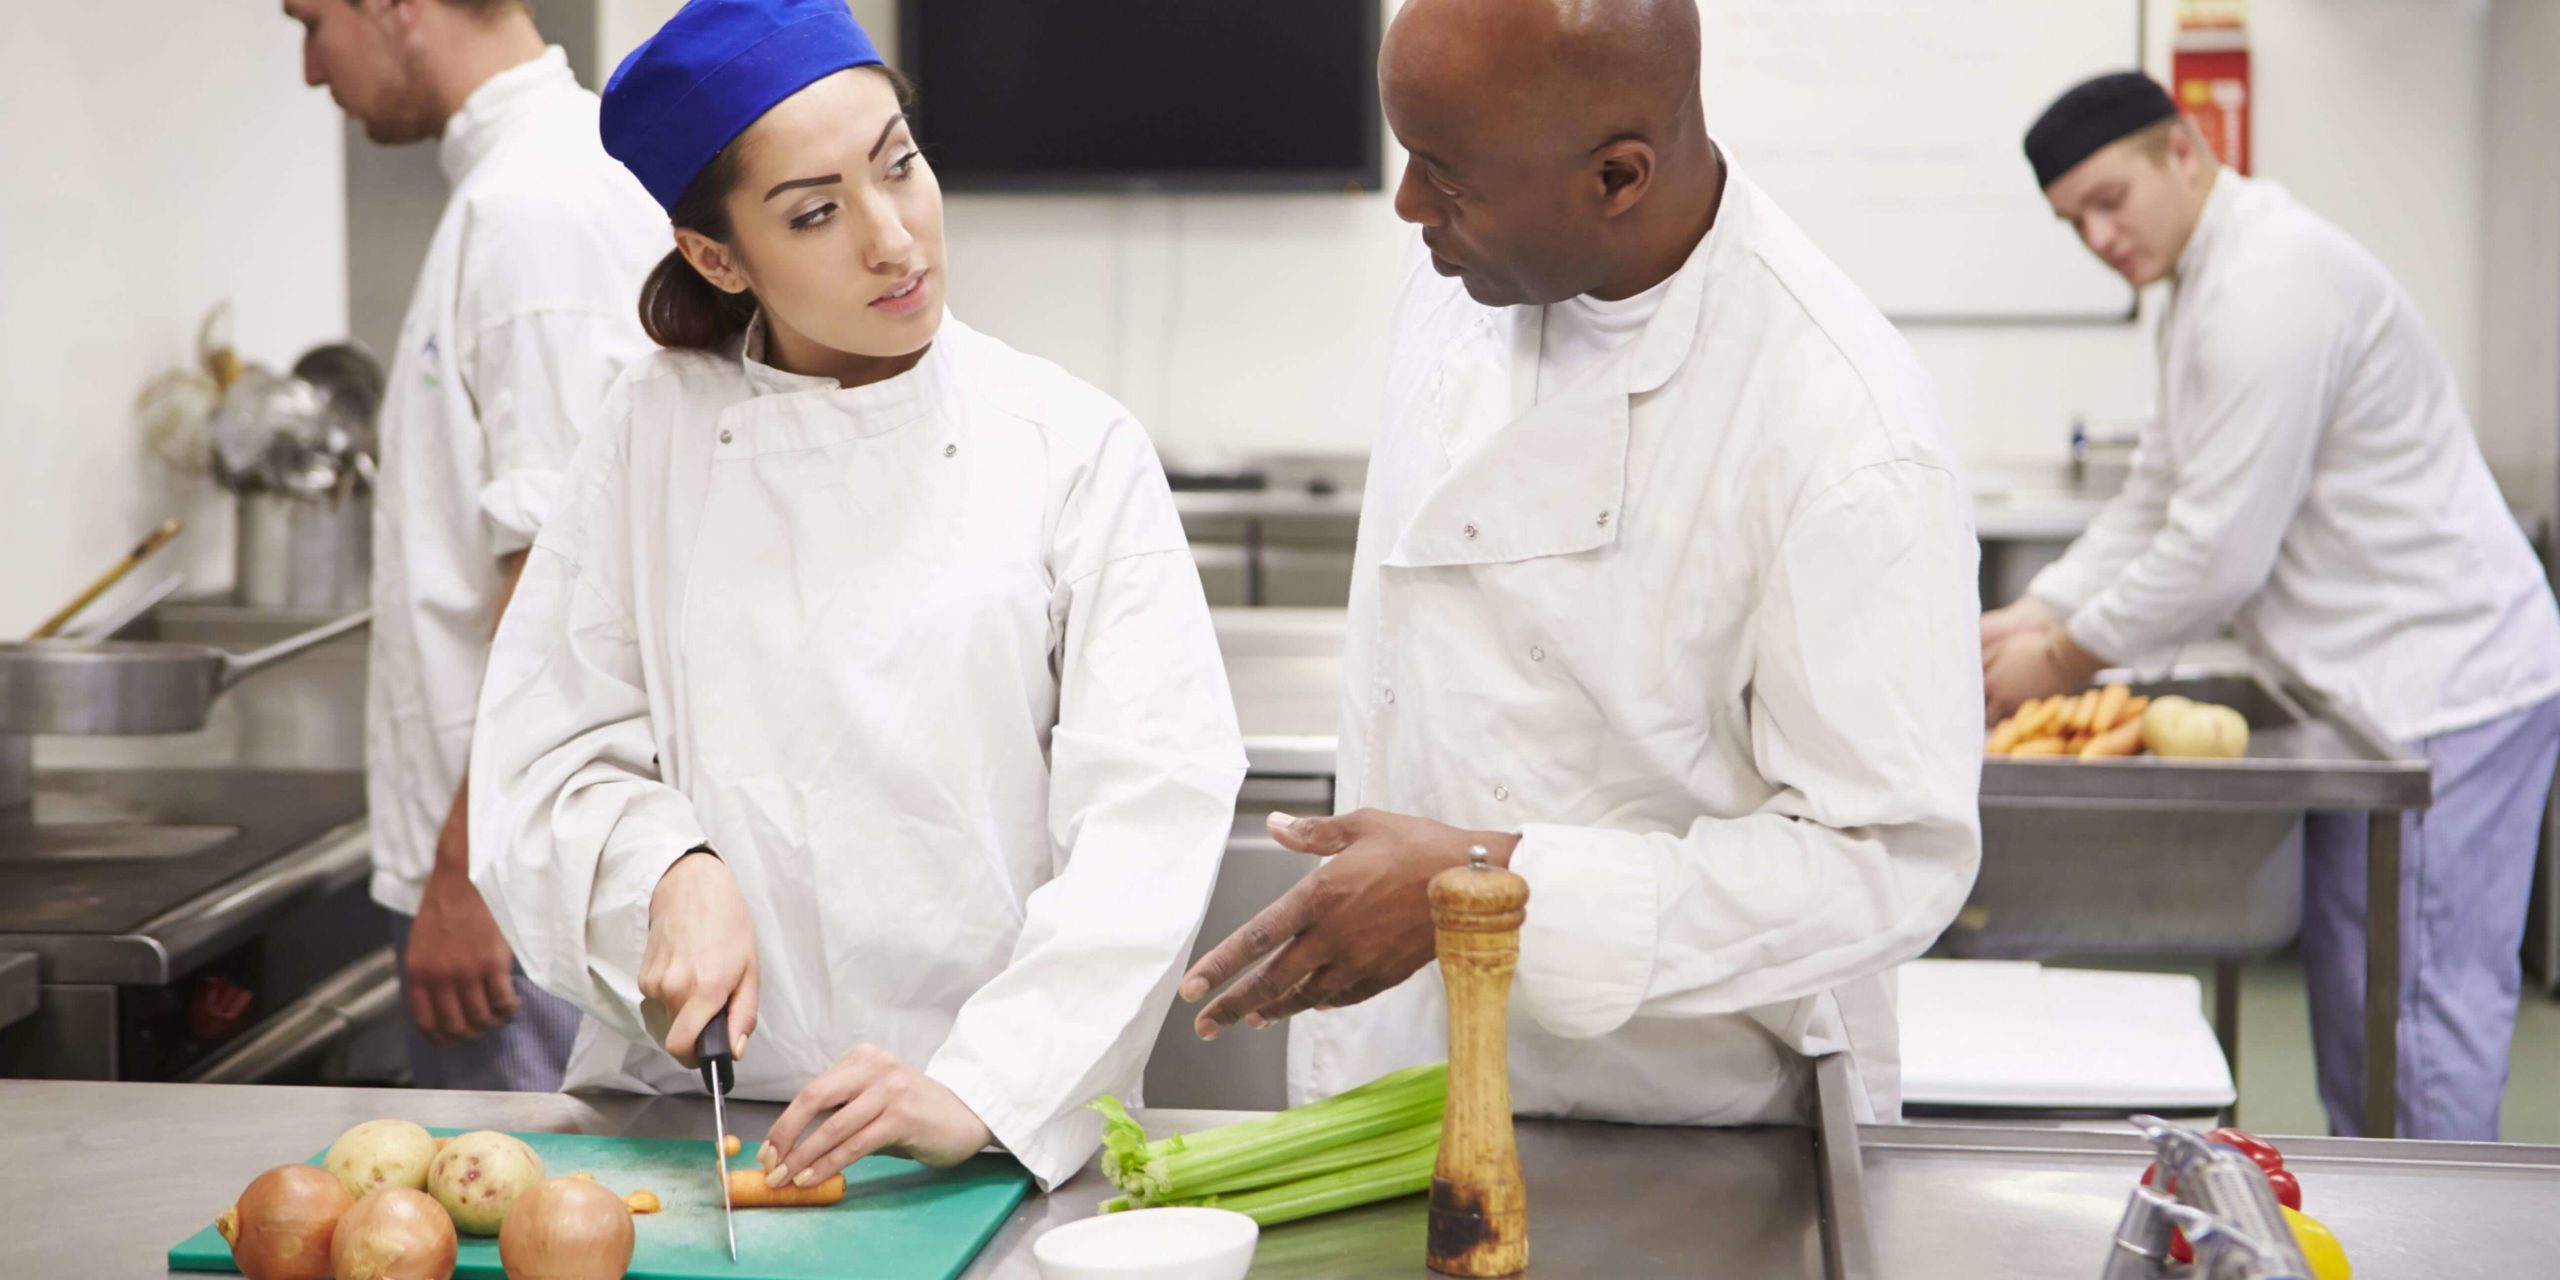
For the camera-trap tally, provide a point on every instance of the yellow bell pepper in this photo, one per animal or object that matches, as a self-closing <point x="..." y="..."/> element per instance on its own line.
<point x="2320" y="1247"/>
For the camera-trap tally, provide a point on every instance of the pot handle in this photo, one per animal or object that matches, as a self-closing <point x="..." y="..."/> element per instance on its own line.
<point x="236" y="668"/>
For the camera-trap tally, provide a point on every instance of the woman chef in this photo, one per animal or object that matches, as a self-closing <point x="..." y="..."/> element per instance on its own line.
<point x="862" y="685"/>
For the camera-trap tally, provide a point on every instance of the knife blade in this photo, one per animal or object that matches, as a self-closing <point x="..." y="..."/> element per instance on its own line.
<point x="719" y="1075"/>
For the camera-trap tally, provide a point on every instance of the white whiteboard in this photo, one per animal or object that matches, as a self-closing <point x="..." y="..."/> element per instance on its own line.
<point x="1890" y="130"/>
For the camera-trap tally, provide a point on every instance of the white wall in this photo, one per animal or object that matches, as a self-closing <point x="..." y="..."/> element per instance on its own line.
<point x="158" y="157"/>
<point x="1237" y="324"/>
<point x="2519" y="409"/>
<point x="2367" y="110"/>
<point x="623" y="24"/>
<point x="2374" y="117"/>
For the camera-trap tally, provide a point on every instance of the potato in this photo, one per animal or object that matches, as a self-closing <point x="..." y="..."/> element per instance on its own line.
<point x="478" y="1176"/>
<point x="2182" y="728"/>
<point x="382" y="1153"/>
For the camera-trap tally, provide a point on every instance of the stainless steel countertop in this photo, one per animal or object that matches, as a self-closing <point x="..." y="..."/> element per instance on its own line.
<point x="1341" y="506"/>
<point x="2020" y="501"/>
<point x="2058" y="515"/>
<point x="1606" y="1200"/>
<point x="1285" y="667"/>
<point x="2010" y="504"/>
<point x="2306" y="750"/>
<point x="1941" y="1202"/>
<point x="1958" y="1203"/>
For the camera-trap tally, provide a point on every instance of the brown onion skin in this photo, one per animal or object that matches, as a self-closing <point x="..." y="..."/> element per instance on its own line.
<point x="287" y="1218"/>
<point x="397" y="1233"/>
<point x="566" y="1229"/>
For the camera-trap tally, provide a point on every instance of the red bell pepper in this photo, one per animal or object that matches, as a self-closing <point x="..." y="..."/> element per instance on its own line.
<point x="2287" y="1188"/>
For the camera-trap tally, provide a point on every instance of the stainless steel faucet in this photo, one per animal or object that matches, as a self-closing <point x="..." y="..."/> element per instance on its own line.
<point x="2224" y="1205"/>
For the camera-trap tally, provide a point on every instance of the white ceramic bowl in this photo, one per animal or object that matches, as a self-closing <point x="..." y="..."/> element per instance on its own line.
<point x="1150" y="1244"/>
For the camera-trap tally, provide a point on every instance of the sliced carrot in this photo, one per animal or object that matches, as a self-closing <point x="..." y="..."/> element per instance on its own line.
<point x="749" y="1190"/>
<point x="2123" y="740"/>
<point x="2111" y="700"/>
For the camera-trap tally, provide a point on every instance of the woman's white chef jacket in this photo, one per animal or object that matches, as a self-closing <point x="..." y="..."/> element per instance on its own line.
<point x="928" y="664"/>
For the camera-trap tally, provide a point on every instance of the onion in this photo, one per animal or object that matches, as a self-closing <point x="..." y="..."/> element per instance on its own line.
<point x="478" y="1176"/>
<point x="397" y="1233"/>
<point x="566" y="1229"/>
<point x="382" y="1153"/>
<point x="281" y="1227"/>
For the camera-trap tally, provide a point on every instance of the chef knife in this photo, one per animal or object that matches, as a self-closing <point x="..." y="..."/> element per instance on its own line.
<point x="719" y="1075"/>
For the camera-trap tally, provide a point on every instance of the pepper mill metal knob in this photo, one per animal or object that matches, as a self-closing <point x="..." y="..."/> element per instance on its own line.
<point x="1479" y="1205"/>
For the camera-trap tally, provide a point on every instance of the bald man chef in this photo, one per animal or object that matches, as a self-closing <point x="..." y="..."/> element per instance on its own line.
<point x="1664" y="595"/>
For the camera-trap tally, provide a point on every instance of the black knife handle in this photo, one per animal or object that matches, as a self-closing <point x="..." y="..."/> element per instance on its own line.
<point x="711" y="1049"/>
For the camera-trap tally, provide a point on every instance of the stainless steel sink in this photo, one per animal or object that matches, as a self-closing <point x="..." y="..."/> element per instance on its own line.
<point x="2175" y="857"/>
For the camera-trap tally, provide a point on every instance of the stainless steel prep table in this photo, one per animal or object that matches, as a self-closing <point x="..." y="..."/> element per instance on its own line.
<point x="119" y="1172"/>
<point x="2098" y="824"/>
<point x="140" y="1166"/>
<point x="1285" y="668"/>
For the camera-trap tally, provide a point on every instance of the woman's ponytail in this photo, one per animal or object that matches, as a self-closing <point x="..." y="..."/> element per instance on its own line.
<point x="678" y="308"/>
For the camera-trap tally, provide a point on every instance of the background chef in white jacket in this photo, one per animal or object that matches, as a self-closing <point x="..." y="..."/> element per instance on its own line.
<point x="2312" y="479"/>
<point x="1664" y="593"/>
<point x="864" y="688"/>
<point x="521" y="319"/>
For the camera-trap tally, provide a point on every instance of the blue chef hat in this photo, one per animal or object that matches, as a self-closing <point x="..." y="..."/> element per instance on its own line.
<point x="715" y="68"/>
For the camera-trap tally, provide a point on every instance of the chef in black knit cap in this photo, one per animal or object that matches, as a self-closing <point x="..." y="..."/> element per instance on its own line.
<point x="2312" y="481"/>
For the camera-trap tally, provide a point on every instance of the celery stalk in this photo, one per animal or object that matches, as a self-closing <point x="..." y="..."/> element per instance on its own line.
<point x="1233" y="1155"/>
<point x="1124" y="1143"/>
<point x="1400" y="1175"/>
<point x="1351" y="1155"/>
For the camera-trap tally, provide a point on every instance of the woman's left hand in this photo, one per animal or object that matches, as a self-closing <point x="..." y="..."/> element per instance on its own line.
<point x="869" y="1102"/>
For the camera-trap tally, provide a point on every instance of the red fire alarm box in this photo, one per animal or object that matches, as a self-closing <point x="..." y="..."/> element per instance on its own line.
<point x="2209" y="76"/>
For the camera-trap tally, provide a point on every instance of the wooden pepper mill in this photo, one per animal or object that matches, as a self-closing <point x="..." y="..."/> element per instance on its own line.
<point x="1479" y="1206"/>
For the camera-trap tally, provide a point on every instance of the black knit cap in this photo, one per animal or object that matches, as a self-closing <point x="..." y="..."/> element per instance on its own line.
<point x="2093" y="114"/>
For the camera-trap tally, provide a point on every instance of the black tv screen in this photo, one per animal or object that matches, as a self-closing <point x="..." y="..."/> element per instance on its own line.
<point x="1169" y="94"/>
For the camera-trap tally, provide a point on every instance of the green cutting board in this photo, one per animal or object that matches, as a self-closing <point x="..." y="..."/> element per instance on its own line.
<point x="899" y="1220"/>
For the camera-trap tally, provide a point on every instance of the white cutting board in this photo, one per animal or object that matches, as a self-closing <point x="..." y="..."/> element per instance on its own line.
<point x="2004" y="1033"/>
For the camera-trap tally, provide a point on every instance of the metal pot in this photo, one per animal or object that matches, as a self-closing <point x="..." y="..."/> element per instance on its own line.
<point x="312" y="554"/>
<point x="133" y="686"/>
